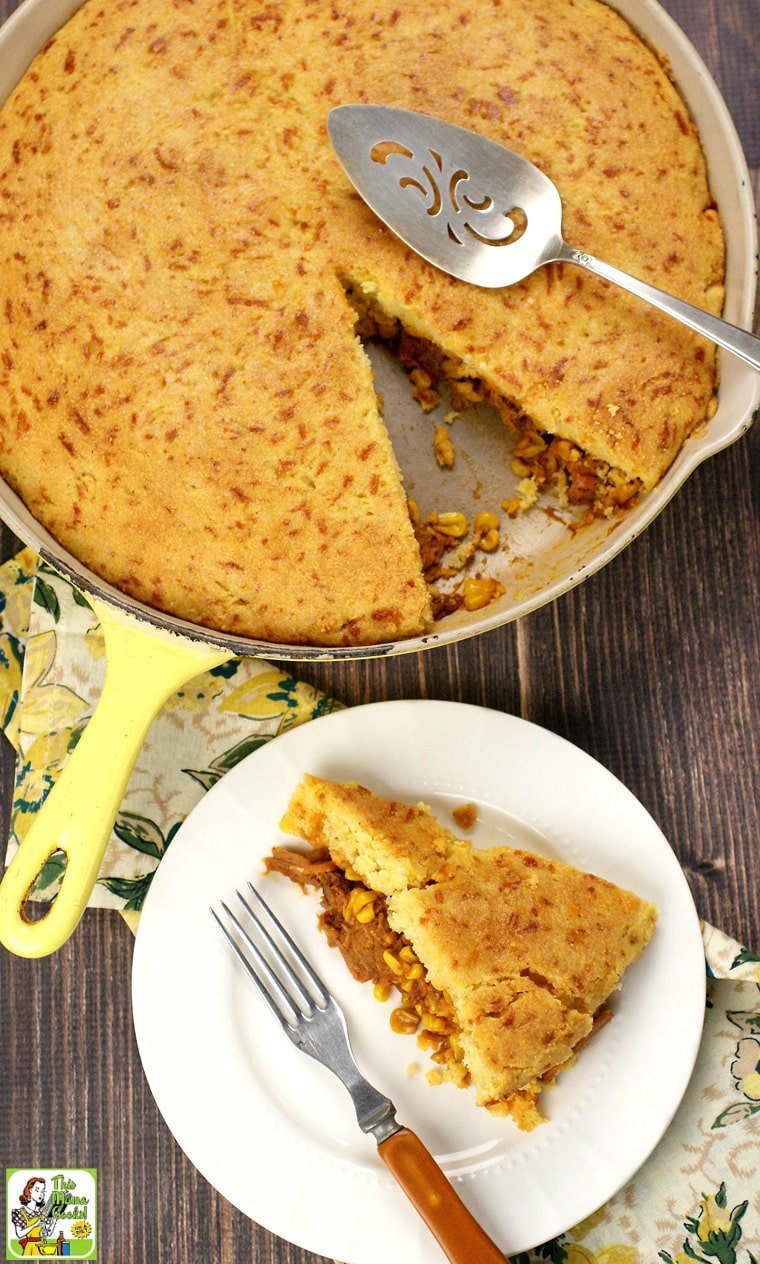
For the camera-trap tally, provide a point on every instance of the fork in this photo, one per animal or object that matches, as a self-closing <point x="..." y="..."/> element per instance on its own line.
<point x="316" y="1025"/>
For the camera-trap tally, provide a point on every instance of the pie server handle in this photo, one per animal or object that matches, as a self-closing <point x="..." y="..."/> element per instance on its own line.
<point x="456" y="1230"/>
<point x="143" y="668"/>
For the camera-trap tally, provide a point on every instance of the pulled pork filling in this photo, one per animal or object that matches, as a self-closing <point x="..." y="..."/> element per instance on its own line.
<point x="541" y="461"/>
<point x="450" y="547"/>
<point x="354" y="921"/>
<point x="445" y="550"/>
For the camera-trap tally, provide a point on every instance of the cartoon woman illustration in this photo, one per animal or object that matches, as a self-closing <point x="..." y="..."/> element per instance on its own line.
<point x="31" y="1221"/>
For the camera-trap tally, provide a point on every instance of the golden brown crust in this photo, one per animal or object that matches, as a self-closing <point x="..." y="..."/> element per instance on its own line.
<point x="506" y="913"/>
<point x="389" y="845"/>
<point x="184" y="403"/>
<point x="513" y="1033"/>
<point x="525" y="950"/>
<point x="528" y="950"/>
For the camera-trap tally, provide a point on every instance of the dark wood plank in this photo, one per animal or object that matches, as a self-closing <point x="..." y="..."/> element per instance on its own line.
<point x="651" y="666"/>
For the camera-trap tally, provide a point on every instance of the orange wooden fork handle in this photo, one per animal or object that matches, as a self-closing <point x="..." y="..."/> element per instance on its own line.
<point x="454" y="1228"/>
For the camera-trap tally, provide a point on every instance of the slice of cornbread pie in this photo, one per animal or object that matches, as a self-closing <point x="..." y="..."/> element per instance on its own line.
<point x="504" y="960"/>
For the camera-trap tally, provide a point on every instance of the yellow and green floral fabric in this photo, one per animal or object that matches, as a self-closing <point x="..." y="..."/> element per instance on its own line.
<point x="697" y="1198"/>
<point x="52" y="666"/>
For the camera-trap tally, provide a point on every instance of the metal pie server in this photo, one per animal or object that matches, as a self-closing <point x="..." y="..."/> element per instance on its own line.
<point x="479" y="211"/>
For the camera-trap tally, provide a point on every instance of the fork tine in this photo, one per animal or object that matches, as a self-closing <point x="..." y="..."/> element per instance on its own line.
<point x="271" y="970"/>
<point x="272" y="990"/>
<point x="283" y="973"/>
<point x="321" y="1033"/>
<point x="322" y="994"/>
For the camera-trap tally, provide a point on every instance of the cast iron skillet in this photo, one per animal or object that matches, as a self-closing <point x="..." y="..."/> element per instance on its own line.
<point x="149" y="655"/>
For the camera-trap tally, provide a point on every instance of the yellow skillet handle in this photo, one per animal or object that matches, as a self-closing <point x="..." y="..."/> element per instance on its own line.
<point x="457" y="1232"/>
<point x="143" y="669"/>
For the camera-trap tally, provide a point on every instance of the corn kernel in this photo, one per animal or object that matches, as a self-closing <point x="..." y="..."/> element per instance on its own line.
<point x="434" y="1022"/>
<point x="470" y="389"/>
<point x="452" y="524"/>
<point x="489" y="542"/>
<point x="403" y="1021"/>
<point x="358" y="906"/>
<point x="478" y="593"/>
<point x="567" y="451"/>
<point x="443" y="448"/>
<point x="452" y="366"/>
<point x="414" y="512"/>
<point x="393" y="963"/>
<point x="407" y="953"/>
<point x="529" y="446"/>
<point x="416" y="971"/>
<point x="423" y="390"/>
<point x="381" y="991"/>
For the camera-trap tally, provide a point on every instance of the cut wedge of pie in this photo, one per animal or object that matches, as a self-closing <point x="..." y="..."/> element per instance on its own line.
<point x="504" y="959"/>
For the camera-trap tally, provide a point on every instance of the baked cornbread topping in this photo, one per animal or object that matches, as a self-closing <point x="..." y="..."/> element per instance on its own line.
<point x="541" y="461"/>
<point x="503" y="960"/>
<point x="184" y="401"/>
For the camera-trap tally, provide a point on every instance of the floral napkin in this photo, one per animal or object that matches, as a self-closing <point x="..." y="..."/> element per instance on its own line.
<point x="52" y="666"/>
<point x="698" y="1196"/>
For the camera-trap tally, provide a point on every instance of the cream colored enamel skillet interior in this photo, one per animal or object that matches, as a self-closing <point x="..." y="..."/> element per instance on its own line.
<point x="149" y="654"/>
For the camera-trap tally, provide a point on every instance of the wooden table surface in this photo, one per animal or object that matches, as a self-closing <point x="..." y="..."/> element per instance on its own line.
<point x="651" y="666"/>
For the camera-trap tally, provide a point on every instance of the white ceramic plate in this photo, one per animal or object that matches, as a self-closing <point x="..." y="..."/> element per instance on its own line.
<point x="273" y="1131"/>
